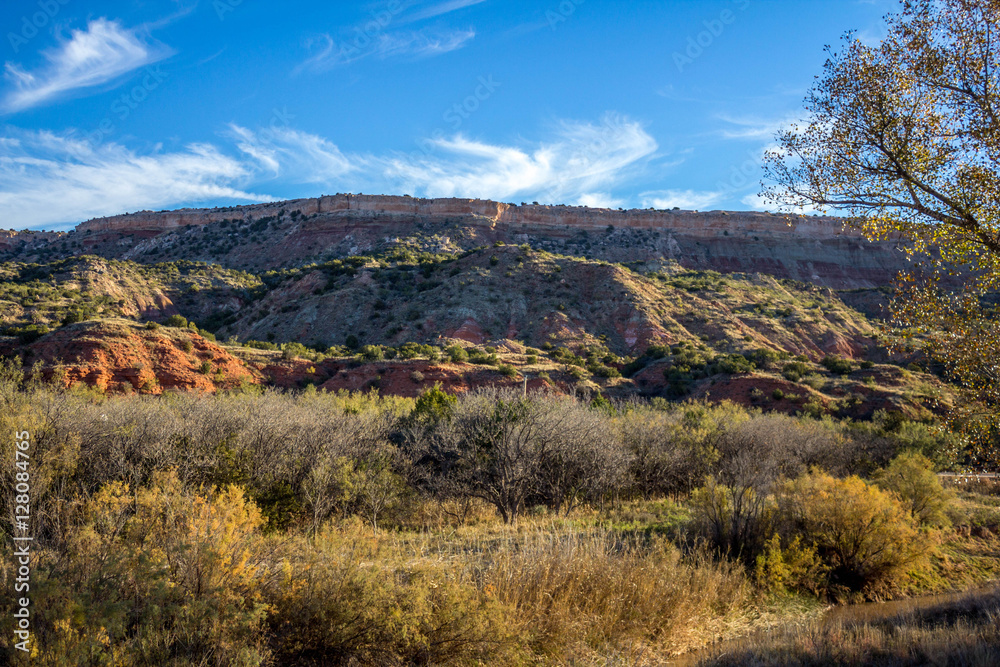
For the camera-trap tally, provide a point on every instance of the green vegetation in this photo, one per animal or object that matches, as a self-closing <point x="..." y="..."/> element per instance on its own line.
<point x="490" y="526"/>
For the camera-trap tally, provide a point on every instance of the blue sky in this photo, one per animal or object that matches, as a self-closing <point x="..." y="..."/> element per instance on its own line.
<point x="141" y="104"/>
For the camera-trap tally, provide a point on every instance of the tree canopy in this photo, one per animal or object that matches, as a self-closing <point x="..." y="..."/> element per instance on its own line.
<point x="903" y="137"/>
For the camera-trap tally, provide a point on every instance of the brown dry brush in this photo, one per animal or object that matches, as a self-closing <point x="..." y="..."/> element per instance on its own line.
<point x="278" y="528"/>
<point x="964" y="630"/>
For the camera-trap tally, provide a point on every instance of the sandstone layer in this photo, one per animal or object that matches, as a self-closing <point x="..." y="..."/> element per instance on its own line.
<point x="808" y="248"/>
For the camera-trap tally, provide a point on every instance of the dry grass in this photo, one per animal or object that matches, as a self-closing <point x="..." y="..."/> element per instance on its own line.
<point x="944" y="630"/>
<point x="583" y="595"/>
<point x="560" y="592"/>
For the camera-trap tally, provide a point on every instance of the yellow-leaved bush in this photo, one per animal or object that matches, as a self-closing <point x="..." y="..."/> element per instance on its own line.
<point x="154" y="576"/>
<point x="865" y="538"/>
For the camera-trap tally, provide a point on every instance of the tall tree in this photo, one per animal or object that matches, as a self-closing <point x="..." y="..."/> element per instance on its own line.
<point x="904" y="137"/>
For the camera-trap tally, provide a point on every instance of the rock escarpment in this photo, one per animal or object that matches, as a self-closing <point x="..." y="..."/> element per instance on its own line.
<point x="16" y="241"/>
<point x="288" y="233"/>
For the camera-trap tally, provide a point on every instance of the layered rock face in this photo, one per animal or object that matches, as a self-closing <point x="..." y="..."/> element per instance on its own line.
<point x="694" y="223"/>
<point x="814" y="249"/>
<point x="14" y="241"/>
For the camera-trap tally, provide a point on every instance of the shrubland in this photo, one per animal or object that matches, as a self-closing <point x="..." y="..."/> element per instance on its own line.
<point x="260" y="527"/>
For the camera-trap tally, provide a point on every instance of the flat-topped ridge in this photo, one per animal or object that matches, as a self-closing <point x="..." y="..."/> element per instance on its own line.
<point x="486" y="211"/>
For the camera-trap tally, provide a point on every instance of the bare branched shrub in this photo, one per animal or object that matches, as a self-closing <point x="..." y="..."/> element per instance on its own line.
<point x="585" y="460"/>
<point x="659" y="466"/>
<point x="501" y="440"/>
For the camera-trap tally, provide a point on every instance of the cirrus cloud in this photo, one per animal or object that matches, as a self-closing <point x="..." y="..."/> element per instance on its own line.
<point x="102" y="52"/>
<point x="581" y="160"/>
<point x="50" y="179"/>
<point x="683" y="199"/>
<point x="581" y="163"/>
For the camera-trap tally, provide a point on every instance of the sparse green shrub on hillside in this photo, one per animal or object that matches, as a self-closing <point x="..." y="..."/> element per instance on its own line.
<point x="734" y="364"/>
<point x="413" y="350"/>
<point x="565" y="355"/>
<point x="600" y="370"/>
<point x="793" y="371"/>
<point x="765" y="358"/>
<point x="27" y="334"/>
<point x="482" y="357"/>
<point x="814" y="380"/>
<point x="296" y="350"/>
<point x="837" y="365"/>
<point x="176" y="321"/>
<point x="507" y="370"/>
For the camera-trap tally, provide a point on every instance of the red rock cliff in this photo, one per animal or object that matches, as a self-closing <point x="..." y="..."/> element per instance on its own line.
<point x="816" y="249"/>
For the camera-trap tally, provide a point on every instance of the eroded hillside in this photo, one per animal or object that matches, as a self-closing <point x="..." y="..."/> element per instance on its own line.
<point x="294" y="233"/>
<point x="397" y="294"/>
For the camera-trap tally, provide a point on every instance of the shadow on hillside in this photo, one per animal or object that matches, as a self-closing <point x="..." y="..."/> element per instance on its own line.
<point x="953" y="629"/>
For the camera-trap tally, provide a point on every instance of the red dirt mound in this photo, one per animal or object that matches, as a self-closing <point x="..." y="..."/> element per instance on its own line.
<point x="119" y="356"/>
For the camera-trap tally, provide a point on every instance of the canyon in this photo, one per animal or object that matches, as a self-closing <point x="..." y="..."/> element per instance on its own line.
<point x="316" y="291"/>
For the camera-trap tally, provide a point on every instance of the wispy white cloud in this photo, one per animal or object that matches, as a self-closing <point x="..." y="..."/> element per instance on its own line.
<point x="758" y="128"/>
<point x="327" y="53"/>
<point x="422" y="43"/>
<point x="102" y="52"/>
<point x="683" y="199"/>
<point x="576" y="166"/>
<point x="581" y="163"/>
<point x="49" y="179"/>
<point x="440" y="9"/>
<point x="582" y="159"/>
<point x="297" y="156"/>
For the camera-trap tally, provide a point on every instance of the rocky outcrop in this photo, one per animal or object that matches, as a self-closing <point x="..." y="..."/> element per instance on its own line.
<point x="13" y="241"/>
<point x="807" y="248"/>
<point x="119" y="356"/>
<point x="707" y="225"/>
